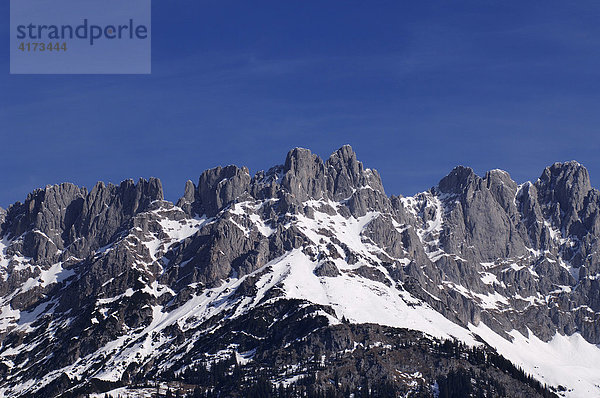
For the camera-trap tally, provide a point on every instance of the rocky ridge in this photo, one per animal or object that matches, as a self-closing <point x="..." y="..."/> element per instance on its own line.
<point x="117" y="283"/>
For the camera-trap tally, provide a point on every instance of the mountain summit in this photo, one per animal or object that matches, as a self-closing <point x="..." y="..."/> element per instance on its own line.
<point x="304" y="279"/>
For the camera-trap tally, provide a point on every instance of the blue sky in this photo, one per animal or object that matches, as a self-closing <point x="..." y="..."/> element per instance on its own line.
<point x="415" y="87"/>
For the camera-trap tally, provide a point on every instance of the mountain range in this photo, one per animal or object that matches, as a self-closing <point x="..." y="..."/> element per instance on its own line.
<point x="304" y="280"/>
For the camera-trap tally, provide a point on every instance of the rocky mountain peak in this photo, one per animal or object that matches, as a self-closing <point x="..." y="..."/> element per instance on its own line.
<point x="219" y="186"/>
<point x="307" y="176"/>
<point x="139" y="196"/>
<point x="567" y="183"/>
<point x="500" y="177"/>
<point x="346" y="174"/>
<point x="459" y="180"/>
<point x="304" y="175"/>
<point x="502" y="188"/>
<point x="188" y="202"/>
<point x="45" y="209"/>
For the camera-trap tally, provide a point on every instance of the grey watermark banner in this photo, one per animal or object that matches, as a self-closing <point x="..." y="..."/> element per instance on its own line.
<point x="80" y="36"/>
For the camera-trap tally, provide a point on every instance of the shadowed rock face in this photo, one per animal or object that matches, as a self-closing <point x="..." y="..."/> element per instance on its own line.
<point x="108" y="261"/>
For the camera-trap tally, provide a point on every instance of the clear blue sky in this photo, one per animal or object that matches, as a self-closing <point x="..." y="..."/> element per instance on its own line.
<point x="416" y="87"/>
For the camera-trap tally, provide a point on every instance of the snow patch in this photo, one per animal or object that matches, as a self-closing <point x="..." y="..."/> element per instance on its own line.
<point x="360" y="300"/>
<point x="569" y="361"/>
